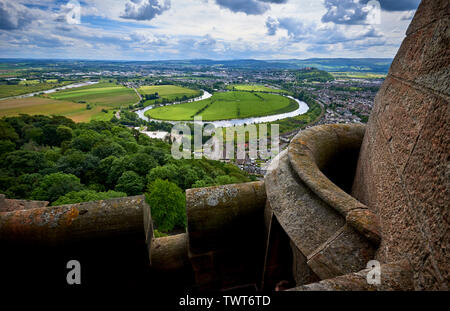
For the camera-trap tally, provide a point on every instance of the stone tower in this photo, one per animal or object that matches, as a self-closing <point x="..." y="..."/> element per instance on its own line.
<point x="403" y="168"/>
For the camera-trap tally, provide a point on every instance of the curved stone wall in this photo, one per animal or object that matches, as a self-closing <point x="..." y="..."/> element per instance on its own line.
<point x="313" y="211"/>
<point x="403" y="173"/>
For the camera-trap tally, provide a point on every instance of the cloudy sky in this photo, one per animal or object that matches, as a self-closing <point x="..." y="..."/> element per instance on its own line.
<point x="215" y="29"/>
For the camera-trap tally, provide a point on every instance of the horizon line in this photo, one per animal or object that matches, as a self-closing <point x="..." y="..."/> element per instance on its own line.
<point x="192" y="59"/>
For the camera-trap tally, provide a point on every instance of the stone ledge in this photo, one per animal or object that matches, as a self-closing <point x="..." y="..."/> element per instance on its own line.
<point x="9" y="205"/>
<point x="60" y="224"/>
<point x="396" y="276"/>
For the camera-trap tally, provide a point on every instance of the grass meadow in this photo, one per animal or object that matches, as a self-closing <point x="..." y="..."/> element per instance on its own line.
<point x="254" y="88"/>
<point x="25" y="87"/>
<point x="170" y="93"/>
<point x="102" y="99"/>
<point x="104" y="94"/>
<point x="226" y="106"/>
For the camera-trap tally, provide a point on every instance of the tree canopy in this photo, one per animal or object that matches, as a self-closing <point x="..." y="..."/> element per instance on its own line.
<point x="57" y="160"/>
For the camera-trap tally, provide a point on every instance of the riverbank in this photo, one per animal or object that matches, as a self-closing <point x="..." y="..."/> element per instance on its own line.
<point x="303" y="108"/>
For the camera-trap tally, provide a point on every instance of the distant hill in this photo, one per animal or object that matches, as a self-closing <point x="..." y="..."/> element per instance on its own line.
<point x="377" y="65"/>
<point x="374" y="65"/>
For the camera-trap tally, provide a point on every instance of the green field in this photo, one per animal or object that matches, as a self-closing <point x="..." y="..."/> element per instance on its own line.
<point x="108" y="95"/>
<point x="101" y="98"/>
<point x="45" y="106"/>
<point x="254" y="88"/>
<point x="167" y="93"/>
<point x="358" y="75"/>
<point x="25" y="87"/>
<point x="226" y="106"/>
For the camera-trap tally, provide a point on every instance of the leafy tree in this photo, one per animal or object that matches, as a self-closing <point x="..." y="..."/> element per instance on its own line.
<point x="24" y="186"/>
<point x="7" y="132"/>
<point x="166" y="172"/>
<point x="6" y="146"/>
<point x="206" y="182"/>
<point x="158" y="154"/>
<point x="52" y="155"/>
<point x="34" y="134"/>
<point x="55" y="185"/>
<point x="25" y="162"/>
<point x="86" y="140"/>
<point x="224" y="180"/>
<point x="189" y="176"/>
<point x="108" y="148"/>
<point x="122" y="132"/>
<point x="167" y="203"/>
<point x="117" y="168"/>
<point x="142" y="163"/>
<point x="49" y="137"/>
<point x="77" y="163"/>
<point x="103" y="170"/>
<point x="64" y="133"/>
<point x="130" y="183"/>
<point x="87" y="196"/>
<point x="130" y="147"/>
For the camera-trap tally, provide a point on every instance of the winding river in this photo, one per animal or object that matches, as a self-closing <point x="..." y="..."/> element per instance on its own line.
<point x="302" y="108"/>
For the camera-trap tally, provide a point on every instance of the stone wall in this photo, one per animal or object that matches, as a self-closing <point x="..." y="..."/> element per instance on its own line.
<point x="403" y="172"/>
<point x="110" y="238"/>
<point x="8" y="205"/>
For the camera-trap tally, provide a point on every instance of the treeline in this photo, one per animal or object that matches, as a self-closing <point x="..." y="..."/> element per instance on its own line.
<point x="57" y="160"/>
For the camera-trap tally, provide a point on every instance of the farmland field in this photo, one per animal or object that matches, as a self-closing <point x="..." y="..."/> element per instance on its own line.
<point x="44" y="106"/>
<point x="255" y="88"/>
<point x="108" y="95"/>
<point x="169" y="93"/>
<point x="225" y="106"/>
<point x="358" y="75"/>
<point x="25" y="87"/>
<point x="73" y="103"/>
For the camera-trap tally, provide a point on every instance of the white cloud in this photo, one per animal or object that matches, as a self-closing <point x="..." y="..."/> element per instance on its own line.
<point x="192" y="29"/>
<point x="145" y="9"/>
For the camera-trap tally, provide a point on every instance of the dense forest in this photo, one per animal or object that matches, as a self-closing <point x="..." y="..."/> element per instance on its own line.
<point x="57" y="160"/>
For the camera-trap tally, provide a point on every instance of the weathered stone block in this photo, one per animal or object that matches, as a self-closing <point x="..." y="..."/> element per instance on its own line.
<point x="88" y="220"/>
<point x="344" y="253"/>
<point x="307" y="220"/>
<point x="10" y="205"/>
<point x="394" y="276"/>
<point x="219" y="217"/>
<point x="428" y="12"/>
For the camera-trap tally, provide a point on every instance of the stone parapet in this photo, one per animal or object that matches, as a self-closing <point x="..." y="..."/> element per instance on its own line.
<point x="226" y="234"/>
<point x="90" y="220"/>
<point x="217" y="216"/>
<point x="9" y="205"/>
